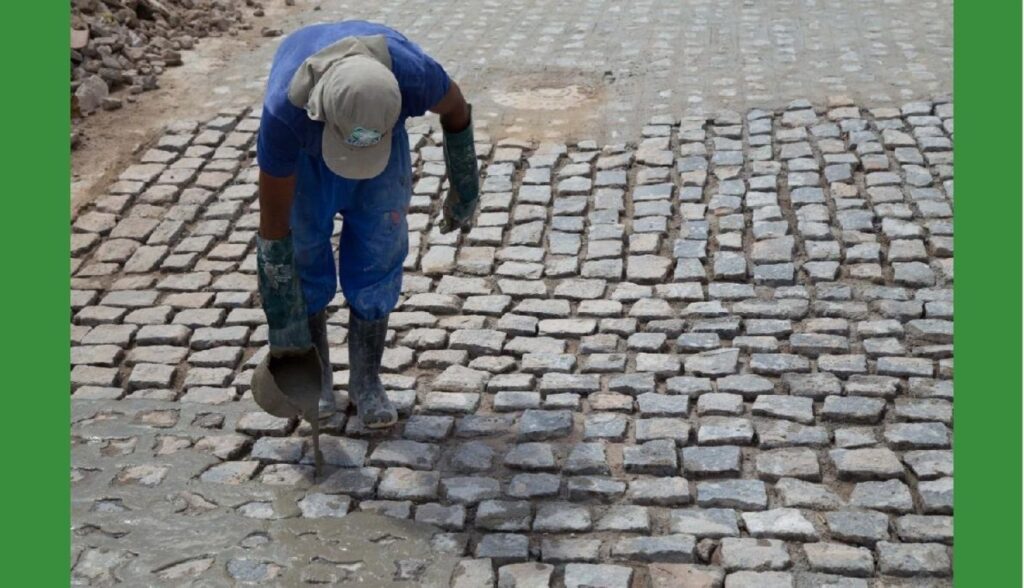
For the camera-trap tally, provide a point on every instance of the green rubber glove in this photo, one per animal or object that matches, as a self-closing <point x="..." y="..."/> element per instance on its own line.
<point x="282" y="296"/>
<point x="463" y="179"/>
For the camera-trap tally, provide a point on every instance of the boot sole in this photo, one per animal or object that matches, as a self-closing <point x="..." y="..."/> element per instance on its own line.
<point x="382" y="425"/>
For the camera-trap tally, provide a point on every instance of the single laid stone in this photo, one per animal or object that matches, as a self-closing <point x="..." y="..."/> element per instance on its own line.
<point x="504" y="515"/>
<point x="653" y="404"/>
<point x="478" y="341"/>
<point x="776" y="364"/>
<point x="853" y="409"/>
<point x="561" y="517"/>
<point x="525" y="575"/>
<point x="647" y="269"/>
<point x="800" y="463"/>
<point x="278" y="449"/>
<point x="599" y="488"/>
<point x="653" y="457"/>
<point x="837" y="558"/>
<point x="795" y="408"/>
<point x="357" y="482"/>
<point x="918" y="435"/>
<point x="719" y="362"/>
<point x="936" y="496"/>
<point x="929" y="464"/>
<point x="713" y="523"/>
<point x="668" y="575"/>
<point x="405" y="453"/>
<point x="536" y="425"/>
<point x="349" y="452"/>
<point x="675" y="548"/>
<point x="565" y="550"/>
<point x="534" y="485"/>
<point x="741" y="494"/>
<point x="458" y="378"/>
<point x="232" y="472"/>
<point x="866" y="464"/>
<point x="800" y="494"/>
<point x="583" y="383"/>
<point x="316" y="505"/>
<point x="816" y="385"/>
<point x="587" y="459"/>
<point x="580" y="575"/>
<point x="857" y="526"/>
<point x="913" y="559"/>
<point x="605" y="425"/>
<point x="720" y="404"/>
<point x="725" y="431"/>
<point x="503" y="547"/>
<point x="473" y="573"/>
<point x="889" y="496"/>
<point x="399" y="483"/>
<point x="746" y="385"/>
<point x="754" y="554"/>
<point x="711" y="461"/>
<point x="530" y="456"/>
<point x="676" y="429"/>
<point x="470" y="490"/>
<point x="920" y="528"/>
<point x="748" y="579"/>
<point x="659" y="491"/>
<point x="782" y="523"/>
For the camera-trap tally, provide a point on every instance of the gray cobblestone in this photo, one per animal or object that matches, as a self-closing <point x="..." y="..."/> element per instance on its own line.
<point x="811" y="322"/>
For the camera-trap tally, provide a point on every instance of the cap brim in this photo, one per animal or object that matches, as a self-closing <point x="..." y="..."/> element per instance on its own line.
<point x="354" y="163"/>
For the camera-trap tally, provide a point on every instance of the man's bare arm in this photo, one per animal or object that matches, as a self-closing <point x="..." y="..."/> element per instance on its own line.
<point x="276" y="195"/>
<point x="453" y="108"/>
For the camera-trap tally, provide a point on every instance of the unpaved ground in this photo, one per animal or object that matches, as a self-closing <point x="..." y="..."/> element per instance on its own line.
<point x="219" y="72"/>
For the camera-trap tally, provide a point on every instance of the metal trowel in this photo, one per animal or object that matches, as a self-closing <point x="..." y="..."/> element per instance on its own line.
<point x="288" y="385"/>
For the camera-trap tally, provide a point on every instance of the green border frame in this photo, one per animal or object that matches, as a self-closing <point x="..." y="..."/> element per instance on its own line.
<point x="987" y="409"/>
<point x="36" y="349"/>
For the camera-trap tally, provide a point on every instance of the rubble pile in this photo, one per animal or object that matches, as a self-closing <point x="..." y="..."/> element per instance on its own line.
<point x="119" y="44"/>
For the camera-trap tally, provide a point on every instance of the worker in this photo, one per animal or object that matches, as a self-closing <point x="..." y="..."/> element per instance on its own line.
<point x="332" y="140"/>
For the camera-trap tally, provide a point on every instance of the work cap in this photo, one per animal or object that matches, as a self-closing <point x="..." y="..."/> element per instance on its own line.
<point x="350" y="88"/>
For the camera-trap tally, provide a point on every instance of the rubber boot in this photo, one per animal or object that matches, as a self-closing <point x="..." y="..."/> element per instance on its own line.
<point x="318" y="332"/>
<point x="365" y="348"/>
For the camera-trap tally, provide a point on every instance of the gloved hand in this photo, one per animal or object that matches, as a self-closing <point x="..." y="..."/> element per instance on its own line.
<point x="463" y="179"/>
<point x="282" y="297"/>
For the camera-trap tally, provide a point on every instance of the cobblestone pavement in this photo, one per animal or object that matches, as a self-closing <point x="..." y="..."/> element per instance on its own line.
<point x="684" y="350"/>
<point x="725" y="350"/>
<point x="599" y="69"/>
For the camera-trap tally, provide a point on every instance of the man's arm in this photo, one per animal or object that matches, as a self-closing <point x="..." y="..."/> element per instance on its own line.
<point x="460" y="160"/>
<point x="453" y="108"/>
<point x="276" y="195"/>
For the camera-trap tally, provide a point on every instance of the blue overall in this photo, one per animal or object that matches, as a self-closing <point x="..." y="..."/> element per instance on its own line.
<point x="374" y="236"/>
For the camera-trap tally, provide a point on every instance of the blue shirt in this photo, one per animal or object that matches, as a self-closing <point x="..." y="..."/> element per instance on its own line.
<point x="286" y="130"/>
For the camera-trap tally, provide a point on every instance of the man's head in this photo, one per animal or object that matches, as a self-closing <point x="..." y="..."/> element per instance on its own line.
<point x="358" y="100"/>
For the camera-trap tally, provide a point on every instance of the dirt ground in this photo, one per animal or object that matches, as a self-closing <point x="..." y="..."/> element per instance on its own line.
<point x="219" y="72"/>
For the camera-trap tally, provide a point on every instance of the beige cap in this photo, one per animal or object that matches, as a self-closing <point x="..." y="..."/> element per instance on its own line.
<point x="350" y="88"/>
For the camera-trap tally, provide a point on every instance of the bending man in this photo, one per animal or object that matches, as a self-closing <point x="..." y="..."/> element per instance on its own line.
<point x="332" y="141"/>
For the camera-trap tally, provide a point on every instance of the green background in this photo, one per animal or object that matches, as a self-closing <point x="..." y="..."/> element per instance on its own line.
<point x="987" y="265"/>
<point x="35" y="483"/>
<point x="35" y="331"/>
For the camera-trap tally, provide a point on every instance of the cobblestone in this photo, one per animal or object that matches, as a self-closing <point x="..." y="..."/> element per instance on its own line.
<point x="739" y="315"/>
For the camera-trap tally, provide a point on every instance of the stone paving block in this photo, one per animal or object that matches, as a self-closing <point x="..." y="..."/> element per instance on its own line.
<point x="828" y="339"/>
<point x="581" y="575"/>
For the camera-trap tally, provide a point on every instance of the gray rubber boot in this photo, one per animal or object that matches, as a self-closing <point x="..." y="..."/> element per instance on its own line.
<point x="365" y="348"/>
<point x="318" y="332"/>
